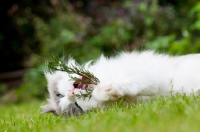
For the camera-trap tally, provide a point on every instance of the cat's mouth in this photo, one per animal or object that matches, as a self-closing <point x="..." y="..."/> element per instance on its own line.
<point x="83" y="86"/>
<point x="80" y="85"/>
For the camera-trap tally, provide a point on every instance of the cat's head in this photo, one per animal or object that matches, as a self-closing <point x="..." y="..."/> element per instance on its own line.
<point x="62" y="91"/>
<point x="62" y="99"/>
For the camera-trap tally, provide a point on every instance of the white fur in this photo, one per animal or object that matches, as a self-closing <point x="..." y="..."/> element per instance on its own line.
<point x="133" y="75"/>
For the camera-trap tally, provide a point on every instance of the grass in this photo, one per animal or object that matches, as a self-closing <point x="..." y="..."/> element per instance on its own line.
<point x="174" y="114"/>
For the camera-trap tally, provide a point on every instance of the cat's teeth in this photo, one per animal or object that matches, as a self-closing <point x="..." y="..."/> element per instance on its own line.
<point x="80" y="85"/>
<point x="84" y="86"/>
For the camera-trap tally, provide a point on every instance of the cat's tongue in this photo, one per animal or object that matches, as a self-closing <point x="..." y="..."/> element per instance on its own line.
<point x="81" y="86"/>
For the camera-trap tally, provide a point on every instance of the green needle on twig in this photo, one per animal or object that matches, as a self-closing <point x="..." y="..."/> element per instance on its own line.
<point x="57" y="64"/>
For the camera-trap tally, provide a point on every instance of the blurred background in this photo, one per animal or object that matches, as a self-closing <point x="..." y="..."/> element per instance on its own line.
<point x="32" y="30"/>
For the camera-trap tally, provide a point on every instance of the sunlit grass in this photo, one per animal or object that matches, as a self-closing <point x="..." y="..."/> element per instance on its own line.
<point x="174" y="114"/>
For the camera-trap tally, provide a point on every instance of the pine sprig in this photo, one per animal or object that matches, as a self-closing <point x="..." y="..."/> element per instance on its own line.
<point x="58" y="64"/>
<point x="79" y="80"/>
<point x="85" y="95"/>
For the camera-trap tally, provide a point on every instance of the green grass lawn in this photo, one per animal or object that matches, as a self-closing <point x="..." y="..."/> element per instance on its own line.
<point x="174" y="114"/>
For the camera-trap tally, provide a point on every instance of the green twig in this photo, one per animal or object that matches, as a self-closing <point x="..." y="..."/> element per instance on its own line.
<point x="85" y="95"/>
<point x="59" y="65"/>
<point x="87" y="77"/>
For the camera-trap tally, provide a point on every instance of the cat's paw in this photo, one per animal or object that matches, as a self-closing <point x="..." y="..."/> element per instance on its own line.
<point x="107" y="91"/>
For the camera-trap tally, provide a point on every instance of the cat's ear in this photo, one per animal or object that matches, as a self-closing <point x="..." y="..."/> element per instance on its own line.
<point x="48" y="109"/>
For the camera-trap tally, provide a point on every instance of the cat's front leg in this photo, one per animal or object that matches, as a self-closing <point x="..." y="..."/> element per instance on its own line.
<point x="108" y="91"/>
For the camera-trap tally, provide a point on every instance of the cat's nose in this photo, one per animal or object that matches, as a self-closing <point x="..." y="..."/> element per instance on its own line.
<point x="70" y="93"/>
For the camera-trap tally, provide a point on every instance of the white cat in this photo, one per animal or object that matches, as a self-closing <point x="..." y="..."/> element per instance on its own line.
<point x="130" y="75"/>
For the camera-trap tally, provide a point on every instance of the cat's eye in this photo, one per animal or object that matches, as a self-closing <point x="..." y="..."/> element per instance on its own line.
<point x="60" y="95"/>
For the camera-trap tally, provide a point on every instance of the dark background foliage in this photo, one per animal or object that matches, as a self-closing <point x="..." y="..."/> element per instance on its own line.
<point x="31" y="31"/>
